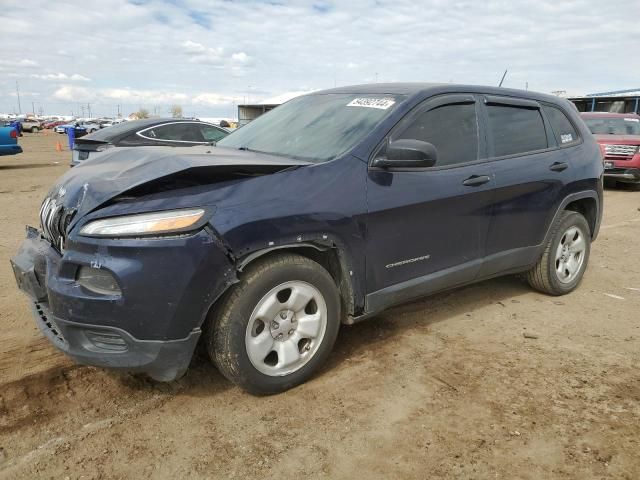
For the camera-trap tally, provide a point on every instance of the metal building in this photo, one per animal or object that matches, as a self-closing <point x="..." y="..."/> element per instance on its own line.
<point x="620" y="101"/>
<point x="246" y="113"/>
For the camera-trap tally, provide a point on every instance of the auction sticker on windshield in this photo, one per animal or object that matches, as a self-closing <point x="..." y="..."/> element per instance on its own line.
<point x="381" y="103"/>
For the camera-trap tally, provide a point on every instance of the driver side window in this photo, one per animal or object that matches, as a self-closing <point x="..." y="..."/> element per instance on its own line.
<point x="452" y="129"/>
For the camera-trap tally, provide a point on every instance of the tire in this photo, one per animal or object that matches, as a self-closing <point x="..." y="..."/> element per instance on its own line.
<point x="34" y="130"/>
<point x="560" y="269"/>
<point x="265" y="307"/>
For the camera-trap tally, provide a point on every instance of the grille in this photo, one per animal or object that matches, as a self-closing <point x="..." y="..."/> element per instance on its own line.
<point x="54" y="220"/>
<point x="621" y="150"/>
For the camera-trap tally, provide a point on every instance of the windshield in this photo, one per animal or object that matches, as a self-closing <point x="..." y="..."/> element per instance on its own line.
<point x="314" y="127"/>
<point x="613" y="126"/>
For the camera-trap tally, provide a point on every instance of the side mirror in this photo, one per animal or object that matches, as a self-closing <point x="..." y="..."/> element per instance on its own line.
<point x="407" y="153"/>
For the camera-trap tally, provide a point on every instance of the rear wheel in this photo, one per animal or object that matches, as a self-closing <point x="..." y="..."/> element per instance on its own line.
<point x="277" y="326"/>
<point x="562" y="265"/>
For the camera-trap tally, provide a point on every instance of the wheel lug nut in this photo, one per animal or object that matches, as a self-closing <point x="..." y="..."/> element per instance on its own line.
<point x="283" y="315"/>
<point x="275" y="324"/>
<point x="293" y="320"/>
<point x="280" y="336"/>
<point x="307" y="348"/>
<point x="291" y="332"/>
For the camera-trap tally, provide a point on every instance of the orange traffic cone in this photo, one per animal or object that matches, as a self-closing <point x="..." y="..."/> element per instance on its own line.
<point x="58" y="147"/>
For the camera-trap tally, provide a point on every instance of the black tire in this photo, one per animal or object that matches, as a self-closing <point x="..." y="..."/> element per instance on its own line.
<point x="543" y="276"/>
<point x="227" y="323"/>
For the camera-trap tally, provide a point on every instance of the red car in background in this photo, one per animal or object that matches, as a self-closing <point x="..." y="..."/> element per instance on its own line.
<point x="619" y="137"/>
<point x="53" y="123"/>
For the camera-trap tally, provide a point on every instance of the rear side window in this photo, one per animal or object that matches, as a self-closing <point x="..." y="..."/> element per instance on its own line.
<point x="452" y="129"/>
<point x="516" y="129"/>
<point x="211" y="134"/>
<point x="176" y="132"/>
<point x="562" y="127"/>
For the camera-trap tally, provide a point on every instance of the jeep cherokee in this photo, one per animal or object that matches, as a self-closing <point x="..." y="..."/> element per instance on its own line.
<point x="327" y="210"/>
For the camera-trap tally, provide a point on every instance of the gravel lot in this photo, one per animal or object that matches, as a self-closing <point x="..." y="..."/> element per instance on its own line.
<point x="447" y="387"/>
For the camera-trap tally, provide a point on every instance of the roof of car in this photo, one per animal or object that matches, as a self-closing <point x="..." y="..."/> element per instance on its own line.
<point x="422" y="88"/>
<point x="608" y="115"/>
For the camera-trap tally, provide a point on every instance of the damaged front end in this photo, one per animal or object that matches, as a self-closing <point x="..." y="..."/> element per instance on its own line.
<point x="134" y="301"/>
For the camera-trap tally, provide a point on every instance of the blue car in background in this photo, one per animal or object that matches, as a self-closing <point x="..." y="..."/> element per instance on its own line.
<point x="9" y="141"/>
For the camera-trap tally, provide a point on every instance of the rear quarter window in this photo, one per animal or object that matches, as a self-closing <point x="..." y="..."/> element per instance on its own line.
<point x="563" y="129"/>
<point x="516" y="129"/>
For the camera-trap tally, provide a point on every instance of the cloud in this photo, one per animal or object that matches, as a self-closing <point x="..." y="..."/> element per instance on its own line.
<point x="61" y="76"/>
<point x="198" y="53"/>
<point x="72" y="93"/>
<point x="21" y="63"/>
<point x="241" y="58"/>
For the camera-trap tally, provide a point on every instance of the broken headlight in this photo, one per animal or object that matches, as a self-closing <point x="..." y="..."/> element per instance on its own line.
<point x="144" y="224"/>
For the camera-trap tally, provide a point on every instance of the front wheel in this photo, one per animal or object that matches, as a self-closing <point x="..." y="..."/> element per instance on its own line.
<point x="562" y="265"/>
<point x="275" y="327"/>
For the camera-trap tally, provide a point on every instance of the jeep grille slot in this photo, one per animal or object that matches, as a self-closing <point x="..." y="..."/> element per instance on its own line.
<point x="54" y="220"/>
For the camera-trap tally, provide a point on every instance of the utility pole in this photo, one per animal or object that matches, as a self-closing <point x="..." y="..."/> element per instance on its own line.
<point x="33" y="107"/>
<point x="89" y="109"/>
<point x="18" y="94"/>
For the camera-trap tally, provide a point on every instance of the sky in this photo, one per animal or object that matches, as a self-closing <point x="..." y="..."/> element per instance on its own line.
<point x="210" y="55"/>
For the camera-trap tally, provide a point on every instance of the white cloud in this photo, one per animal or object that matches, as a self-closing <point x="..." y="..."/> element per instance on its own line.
<point x="61" y="76"/>
<point x="240" y="57"/>
<point x="198" y="53"/>
<point x="22" y="63"/>
<point x="72" y="93"/>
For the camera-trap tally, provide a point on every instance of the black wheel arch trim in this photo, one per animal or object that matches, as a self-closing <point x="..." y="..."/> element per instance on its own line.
<point x="572" y="197"/>
<point x="349" y="286"/>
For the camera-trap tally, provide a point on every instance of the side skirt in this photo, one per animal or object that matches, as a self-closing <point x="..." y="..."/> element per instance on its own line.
<point x="503" y="263"/>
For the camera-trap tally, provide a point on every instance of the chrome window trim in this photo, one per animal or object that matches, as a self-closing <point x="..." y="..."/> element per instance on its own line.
<point x="140" y="132"/>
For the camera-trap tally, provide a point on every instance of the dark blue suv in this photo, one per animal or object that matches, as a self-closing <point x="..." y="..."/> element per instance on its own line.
<point x="327" y="210"/>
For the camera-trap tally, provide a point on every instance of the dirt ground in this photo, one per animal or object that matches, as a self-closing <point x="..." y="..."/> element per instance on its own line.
<point x="447" y="387"/>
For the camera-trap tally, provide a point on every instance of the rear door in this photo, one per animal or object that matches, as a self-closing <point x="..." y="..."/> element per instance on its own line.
<point x="531" y="172"/>
<point x="426" y="228"/>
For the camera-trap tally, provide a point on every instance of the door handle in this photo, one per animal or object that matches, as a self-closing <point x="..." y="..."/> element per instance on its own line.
<point x="559" y="166"/>
<point x="475" y="180"/>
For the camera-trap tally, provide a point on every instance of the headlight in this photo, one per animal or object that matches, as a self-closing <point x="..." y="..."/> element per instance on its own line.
<point x="143" y="224"/>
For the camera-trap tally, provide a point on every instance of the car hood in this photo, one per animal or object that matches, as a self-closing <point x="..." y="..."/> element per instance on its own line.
<point x="618" y="139"/>
<point x="92" y="183"/>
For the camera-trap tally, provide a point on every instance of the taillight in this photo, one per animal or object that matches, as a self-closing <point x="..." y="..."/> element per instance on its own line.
<point x="13" y="133"/>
